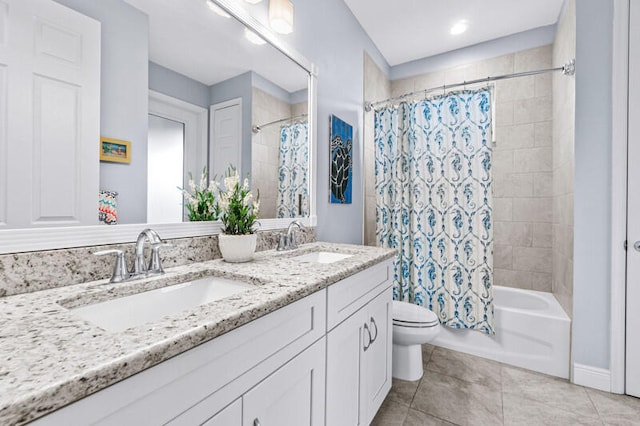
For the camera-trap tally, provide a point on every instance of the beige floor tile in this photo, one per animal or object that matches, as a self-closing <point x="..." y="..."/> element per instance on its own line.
<point x="390" y="414"/>
<point x="458" y="401"/>
<point x="548" y="390"/>
<point x="521" y="411"/>
<point x="427" y="350"/>
<point x="418" y="418"/>
<point x="616" y="409"/>
<point x="402" y="392"/>
<point x="466" y="367"/>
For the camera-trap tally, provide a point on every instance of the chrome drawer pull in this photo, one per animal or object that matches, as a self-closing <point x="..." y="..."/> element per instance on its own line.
<point x="373" y="322"/>
<point x="366" y="344"/>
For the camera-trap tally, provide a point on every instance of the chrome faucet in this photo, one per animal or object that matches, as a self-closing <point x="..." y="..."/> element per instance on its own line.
<point x="288" y="241"/>
<point x="140" y="269"/>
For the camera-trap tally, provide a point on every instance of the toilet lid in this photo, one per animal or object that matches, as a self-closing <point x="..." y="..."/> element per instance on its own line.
<point x="410" y="315"/>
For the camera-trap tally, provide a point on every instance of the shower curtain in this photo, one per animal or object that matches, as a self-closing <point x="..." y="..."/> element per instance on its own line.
<point x="293" y="186"/>
<point x="434" y="204"/>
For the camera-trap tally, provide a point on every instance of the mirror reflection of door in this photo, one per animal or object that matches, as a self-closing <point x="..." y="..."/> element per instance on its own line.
<point x="165" y="170"/>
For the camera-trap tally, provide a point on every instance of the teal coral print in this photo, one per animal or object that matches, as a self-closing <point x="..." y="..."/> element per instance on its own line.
<point x="341" y="161"/>
<point x="434" y="204"/>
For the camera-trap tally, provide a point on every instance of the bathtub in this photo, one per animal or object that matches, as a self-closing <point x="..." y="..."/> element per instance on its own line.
<point x="532" y="331"/>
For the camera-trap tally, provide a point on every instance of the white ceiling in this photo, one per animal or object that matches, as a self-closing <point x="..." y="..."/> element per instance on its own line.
<point x="187" y="37"/>
<point x="405" y="30"/>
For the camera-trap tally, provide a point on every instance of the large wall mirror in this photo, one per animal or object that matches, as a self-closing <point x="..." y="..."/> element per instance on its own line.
<point x="201" y="85"/>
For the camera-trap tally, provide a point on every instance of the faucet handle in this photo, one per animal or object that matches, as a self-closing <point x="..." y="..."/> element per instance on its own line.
<point x="282" y="241"/>
<point x="155" y="265"/>
<point x="120" y="272"/>
<point x="292" y="243"/>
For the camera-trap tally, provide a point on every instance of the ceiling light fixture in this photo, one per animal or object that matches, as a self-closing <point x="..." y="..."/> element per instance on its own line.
<point x="253" y="1"/>
<point x="458" y="28"/>
<point x="217" y="9"/>
<point x="281" y="16"/>
<point x="253" y="37"/>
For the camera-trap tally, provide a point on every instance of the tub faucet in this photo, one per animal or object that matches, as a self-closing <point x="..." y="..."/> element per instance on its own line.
<point x="288" y="241"/>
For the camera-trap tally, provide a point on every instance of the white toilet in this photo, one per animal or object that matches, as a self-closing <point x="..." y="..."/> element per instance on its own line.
<point x="413" y="325"/>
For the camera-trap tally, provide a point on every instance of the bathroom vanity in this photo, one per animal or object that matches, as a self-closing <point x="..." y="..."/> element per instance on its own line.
<point x="307" y="342"/>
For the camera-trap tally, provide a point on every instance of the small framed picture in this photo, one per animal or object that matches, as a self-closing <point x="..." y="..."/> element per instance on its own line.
<point x="115" y="150"/>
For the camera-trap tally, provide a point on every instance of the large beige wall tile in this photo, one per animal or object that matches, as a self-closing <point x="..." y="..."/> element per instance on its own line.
<point x="532" y="259"/>
<point x="533" y="160"/>
<point x="533" y="209"/>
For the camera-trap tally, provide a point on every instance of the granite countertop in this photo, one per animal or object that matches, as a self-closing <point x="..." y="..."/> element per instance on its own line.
<point x="51" y="357"/>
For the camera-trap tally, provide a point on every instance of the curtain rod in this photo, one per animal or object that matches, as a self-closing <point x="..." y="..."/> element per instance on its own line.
<point x="256" y="128"/>
<point x="567" y="69"/>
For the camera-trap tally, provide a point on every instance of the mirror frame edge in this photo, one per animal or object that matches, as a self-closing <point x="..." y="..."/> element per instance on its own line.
<point x="40" y="239"/>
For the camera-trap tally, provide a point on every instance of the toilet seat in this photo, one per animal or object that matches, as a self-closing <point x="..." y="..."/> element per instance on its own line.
<point x="413" y="316"/>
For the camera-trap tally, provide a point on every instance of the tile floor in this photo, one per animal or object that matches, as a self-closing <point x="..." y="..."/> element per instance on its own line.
<point x="460" y="389"/>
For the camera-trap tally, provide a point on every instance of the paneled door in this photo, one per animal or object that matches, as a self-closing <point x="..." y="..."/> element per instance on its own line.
<point x="49" y="115"/>
<point x="226" y="137"/>
<point x="633" y="225"/>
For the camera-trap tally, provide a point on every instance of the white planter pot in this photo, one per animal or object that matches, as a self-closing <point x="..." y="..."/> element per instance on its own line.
<point x="237" y="248"/>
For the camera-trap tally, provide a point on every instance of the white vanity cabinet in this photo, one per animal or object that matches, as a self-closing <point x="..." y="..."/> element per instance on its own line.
<point x="287" y="345"/>
<point x="359" y="346"/>
<point x="322" y="360"/>
<point x="293" y="395"/>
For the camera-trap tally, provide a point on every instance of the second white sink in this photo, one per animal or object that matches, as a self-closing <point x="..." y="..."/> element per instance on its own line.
<point x="137" y="309"/>
<point x="322" y="257"/>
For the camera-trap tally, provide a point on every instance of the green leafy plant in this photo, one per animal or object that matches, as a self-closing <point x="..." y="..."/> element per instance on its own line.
<point x="201" y="200"/>
<point x="238" y="206"/>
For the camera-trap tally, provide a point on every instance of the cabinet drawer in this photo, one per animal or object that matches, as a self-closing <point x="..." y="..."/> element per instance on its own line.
<point x="347" y="296"/>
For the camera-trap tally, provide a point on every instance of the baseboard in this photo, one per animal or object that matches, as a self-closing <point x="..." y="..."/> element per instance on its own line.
<point x="592" y="377"/>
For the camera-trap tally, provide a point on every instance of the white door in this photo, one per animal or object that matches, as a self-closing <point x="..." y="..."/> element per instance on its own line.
<point x="49" y="115"/>
<point x="376" y="362"/>
<point x="165" y="170"/>
<point x="226" y="137"/>
<point x="345" y="348"/>
<point x="633" y="226"/>
<point x="292" y="396"/>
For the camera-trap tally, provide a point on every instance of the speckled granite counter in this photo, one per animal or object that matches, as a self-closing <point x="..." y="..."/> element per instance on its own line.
<point x="50" y="357"/>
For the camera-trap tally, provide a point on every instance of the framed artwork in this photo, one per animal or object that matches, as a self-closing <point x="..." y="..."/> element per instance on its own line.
<point x="115" y="150"/>
<point x="341" y="156"/>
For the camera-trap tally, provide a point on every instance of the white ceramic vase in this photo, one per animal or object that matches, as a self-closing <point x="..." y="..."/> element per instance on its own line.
<point x="237" y="248"/>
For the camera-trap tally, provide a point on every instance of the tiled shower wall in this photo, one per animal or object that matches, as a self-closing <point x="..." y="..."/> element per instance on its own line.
<point x="564" y="49"/>
<point x="522" y="160"/>
<point x="376" y="87"/>
<point x="265" y="148"/>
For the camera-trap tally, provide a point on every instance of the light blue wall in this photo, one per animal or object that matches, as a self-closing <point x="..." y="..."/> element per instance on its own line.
<point x="179" y="86"/>
<point x="592" y="183"/>
<point x="238" y="87"/>
<point x="124" y="102"/>
<point x="267" y="86"/>
<point x="328" y="34"/>
<point x="488" y="49"/>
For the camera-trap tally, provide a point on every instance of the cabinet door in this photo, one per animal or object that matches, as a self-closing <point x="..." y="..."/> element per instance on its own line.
<point x="230" y="416"/>
<point x="344" y="357"/>
<point x="292" y="396"/>
<point x="376" y="362"/>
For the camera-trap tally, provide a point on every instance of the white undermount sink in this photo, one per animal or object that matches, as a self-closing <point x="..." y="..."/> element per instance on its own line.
<point x="137" y="309"/>
<point x="321" y="257"/>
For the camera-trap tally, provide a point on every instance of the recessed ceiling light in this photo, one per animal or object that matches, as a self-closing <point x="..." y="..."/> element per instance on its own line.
<point x="253" y="1"/>
<point x="217" y="9"/>
<point x="459" y="27"/>
<point x="253" y="37"/>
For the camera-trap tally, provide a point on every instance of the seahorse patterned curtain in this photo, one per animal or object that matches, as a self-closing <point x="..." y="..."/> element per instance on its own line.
<point x="434" y="204"/>
<point x="293" y="185"/>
